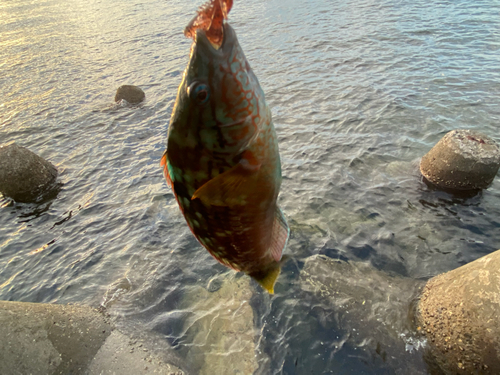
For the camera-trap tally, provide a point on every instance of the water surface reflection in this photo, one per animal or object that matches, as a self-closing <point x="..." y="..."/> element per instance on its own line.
<point x="359" y="92"/>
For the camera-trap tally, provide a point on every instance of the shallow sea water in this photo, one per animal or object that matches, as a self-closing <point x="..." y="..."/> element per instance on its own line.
<point x="359" y="91"/>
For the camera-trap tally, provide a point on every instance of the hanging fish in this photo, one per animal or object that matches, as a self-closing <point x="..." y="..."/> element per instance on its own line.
<point x="222" y="158"/>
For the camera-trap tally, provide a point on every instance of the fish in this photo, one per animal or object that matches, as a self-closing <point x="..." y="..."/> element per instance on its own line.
<point x="222" y="159"/>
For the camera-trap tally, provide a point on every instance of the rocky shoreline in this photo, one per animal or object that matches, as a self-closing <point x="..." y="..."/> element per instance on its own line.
<point x="455" y="327"/>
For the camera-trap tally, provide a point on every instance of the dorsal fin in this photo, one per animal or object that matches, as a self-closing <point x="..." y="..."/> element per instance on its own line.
<point x="281" y="231"/>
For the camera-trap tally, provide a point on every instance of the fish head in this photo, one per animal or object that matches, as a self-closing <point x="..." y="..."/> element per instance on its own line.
<point x="220" y="105"/>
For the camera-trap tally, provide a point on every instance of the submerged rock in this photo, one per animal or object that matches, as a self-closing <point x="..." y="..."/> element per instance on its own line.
<point x="371" y="309"/>
<point x="132" y="94"/>
<point x="462" y="160"/>
<point x="24" y="176"/>
<point x="459" y="312"/>
<point x="221" y="331"/>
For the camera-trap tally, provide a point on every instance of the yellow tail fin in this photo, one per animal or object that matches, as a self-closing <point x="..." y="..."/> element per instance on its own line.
<point x="268" y="279"/>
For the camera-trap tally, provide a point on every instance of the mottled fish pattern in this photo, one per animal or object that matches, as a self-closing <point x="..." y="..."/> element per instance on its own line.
<point x="222" y="158"/>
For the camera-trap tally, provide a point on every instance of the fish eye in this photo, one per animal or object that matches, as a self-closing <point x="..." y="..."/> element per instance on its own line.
<point x="199" y="92"/>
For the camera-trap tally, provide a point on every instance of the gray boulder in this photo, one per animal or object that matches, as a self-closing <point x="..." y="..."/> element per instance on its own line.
<point x="48" y="339"/>
<point x="462" y="160"/>
<point x="130" y="93"/>
<point x="24" y="176"/>
<point x="459" y="312"/>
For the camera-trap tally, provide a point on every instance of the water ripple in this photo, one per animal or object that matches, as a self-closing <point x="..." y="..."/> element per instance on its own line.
<point x="359" y="92"/>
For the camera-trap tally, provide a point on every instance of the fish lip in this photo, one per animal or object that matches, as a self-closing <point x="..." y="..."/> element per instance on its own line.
<point x="237" y="122"/>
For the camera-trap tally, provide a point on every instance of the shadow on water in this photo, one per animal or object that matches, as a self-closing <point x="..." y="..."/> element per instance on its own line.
<point x="27" y="212"/>
<point x="458" y="196"/>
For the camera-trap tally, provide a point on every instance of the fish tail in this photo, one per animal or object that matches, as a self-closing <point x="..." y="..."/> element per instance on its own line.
<point x="268" y="278"/>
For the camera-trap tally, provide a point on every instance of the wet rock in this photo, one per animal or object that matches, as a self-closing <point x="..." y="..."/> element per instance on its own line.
<point x="221" y="330"/>
<point x="371" y="309"/>
<point x="132" y="94"/>
<point x="48" y="339"/>
<point x="459" y="313"/>
<point x="51" y="339"/>
<point x="25" y="176"/>
<point x="121" y="354"/>
<point x="462" y="160"/>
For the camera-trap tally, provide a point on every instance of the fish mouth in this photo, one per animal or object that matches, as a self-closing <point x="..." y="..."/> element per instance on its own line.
<point x="202" y="40"/>
<point x="237" y="122"/>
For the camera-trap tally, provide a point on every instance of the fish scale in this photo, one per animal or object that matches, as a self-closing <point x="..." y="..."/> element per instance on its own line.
<point x="222" y="158"/>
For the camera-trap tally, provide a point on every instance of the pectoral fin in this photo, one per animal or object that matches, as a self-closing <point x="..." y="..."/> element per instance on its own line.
<point x="164" y="164"/>
<point x="230" y="188"/>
